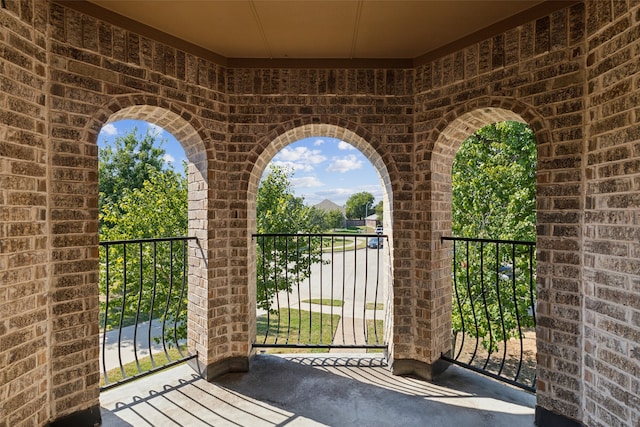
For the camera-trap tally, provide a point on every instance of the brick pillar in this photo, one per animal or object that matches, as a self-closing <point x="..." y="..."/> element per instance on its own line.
<point x="611" y="258"/>
<point x="25" y="371"/>
<point x="218" y="282"/>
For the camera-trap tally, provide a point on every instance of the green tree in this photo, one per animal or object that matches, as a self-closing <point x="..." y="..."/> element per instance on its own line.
<point x="335" y="218"/>
<point x="154" y="205"/>
<point x="285" y="259"/>
<point x="360" y="205"/>
<point x="318" y="218"/>
<point x="493" y="184"/>
<point x="156" y="209"/>
<point x="125" y="165"/>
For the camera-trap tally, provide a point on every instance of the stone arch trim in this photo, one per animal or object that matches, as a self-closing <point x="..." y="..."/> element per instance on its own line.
<point x="289" y="132"/>
<point x="465" y="119"/>
<point x="293" y="130"/>
<point x="171" y="116"/>
<point x="445" y="139"/>
<point x="189" y="131"/>
<point x="460" y="123"/>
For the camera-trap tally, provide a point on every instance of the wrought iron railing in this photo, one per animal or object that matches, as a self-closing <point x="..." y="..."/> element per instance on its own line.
<point x="494" y="308"/>
<point x="321" y="290"/>
<point x="143" y="307"/>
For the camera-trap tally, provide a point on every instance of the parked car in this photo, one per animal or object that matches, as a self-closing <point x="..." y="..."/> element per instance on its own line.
<point x="375" y="242"/>
<point x="379" y="229"/>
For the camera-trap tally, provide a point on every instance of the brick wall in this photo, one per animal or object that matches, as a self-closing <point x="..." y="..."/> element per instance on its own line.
<point x="371" y="109"/>
<point x="24" y="226"/>
<point x="612" y="216"/>
<point x="531" y="74"/>
<point x="101" y="73"/>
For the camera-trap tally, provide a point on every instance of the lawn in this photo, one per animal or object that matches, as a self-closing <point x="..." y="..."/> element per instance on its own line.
<point x="131" y="369"/>
<point x="325" y="301"/>
<point x="375" y="330"/>
<point x="292" y="326"/>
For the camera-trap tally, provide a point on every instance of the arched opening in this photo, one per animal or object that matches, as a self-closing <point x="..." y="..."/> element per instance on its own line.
<point x="494" y="262"/>
<point x="492" y="266"/>
<point x="358" y="142"/>
<point x="145" y="281"/>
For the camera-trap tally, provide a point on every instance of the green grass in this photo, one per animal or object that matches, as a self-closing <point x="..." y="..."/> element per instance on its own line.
<point x="353" y="230"/>
<point x="373" y="306"/>
<point x="371" y="334"/>
<point x="131" y="368"/>
<point x="341" y="244"/>
<point x="325" y="301"/>
<point x="293" y="326"/>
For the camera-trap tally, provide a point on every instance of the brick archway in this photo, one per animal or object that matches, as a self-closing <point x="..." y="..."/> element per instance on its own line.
<point x="452" y="130"/>
<point x="296" y="130"/>
<point x="190" y="134"/>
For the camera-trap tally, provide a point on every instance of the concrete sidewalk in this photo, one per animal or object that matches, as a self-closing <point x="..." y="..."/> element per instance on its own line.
<point x="313" y="390"/>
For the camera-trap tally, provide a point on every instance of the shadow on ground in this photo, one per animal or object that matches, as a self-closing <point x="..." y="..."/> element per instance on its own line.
<point x="305" y="390"/>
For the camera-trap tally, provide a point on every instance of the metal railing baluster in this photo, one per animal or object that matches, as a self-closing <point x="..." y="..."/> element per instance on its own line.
<point x="106" y="316"/>
<point x="513" y="287"/>
<point x="313" y="285"/>
<point x="120" y="286"/>
<point x="166" y="308"/>
<point x="122" y="308"/>
<point x="473" y="309"/>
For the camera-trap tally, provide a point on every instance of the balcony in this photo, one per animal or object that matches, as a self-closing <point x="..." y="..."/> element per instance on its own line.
<point x="305" y="389"/>
<point x="339" y="282"/>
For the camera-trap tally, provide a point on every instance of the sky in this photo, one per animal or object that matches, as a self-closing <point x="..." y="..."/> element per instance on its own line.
<point x="323" y="167"/>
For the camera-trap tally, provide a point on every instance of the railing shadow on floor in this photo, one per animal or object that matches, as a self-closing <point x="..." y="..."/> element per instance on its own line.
<point x="279" y="390"/>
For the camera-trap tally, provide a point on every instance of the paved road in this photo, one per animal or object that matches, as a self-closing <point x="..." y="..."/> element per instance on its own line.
<point x="344" y="278"/>
<point x="113" y="354"/>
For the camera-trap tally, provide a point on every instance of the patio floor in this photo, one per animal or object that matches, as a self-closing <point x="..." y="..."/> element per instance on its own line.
<point x="312" y="390"/>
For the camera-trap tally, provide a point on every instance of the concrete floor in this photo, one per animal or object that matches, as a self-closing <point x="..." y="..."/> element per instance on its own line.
<point x="313" y="390"/>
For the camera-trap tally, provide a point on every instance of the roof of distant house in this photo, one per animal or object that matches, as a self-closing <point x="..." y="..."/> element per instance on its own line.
<point x="327" y="205"/>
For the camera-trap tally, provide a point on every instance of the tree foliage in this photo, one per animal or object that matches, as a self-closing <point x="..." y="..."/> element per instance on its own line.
<point x="493" y="179"/>
<point x="157" y="209"/>
<point x="125" y="165"/>
<point x="141" y="197"/>
<point x="318" y="218"/>
<point x="494" y="183"/>
<point x="360" y="205"/>
<point x="335" y="218"/>
<point x="283" y="260"/>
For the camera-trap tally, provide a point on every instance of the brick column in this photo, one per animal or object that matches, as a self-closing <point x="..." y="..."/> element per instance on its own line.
<point x="25" y="369"/>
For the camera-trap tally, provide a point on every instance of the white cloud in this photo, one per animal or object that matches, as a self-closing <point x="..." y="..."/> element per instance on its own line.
<point x="292" y="166"/>
<point x="301" y="154"/>
<point x="318" y="142"/>
<point x="299" y="159"/>
<point x="345" y="164"/>
<point x="169" y="158"/>
<point x="109" y="129"/>
<point x="345" y="146"/>
<point x="306" y="182"/>
<point x="154" y="130"/>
